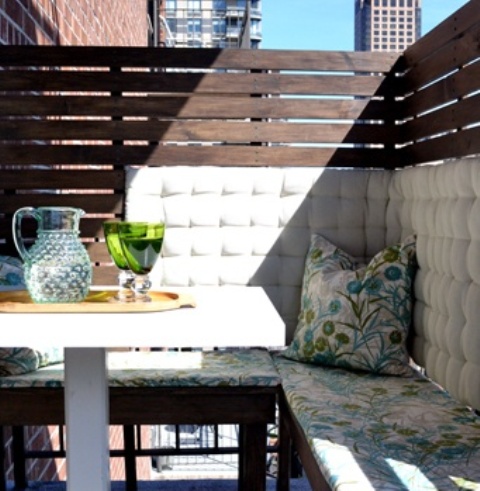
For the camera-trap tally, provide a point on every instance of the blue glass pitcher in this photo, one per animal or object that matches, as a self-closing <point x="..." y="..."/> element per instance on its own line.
<point x="57" y="267"/>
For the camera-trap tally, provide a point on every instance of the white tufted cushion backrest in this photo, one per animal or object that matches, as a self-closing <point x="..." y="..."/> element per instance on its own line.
<point x="252" y="226"/>
<point x="441" y="205"/>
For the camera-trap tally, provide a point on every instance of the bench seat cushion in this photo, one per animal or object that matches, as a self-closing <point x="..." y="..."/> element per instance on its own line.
<point x="380" y="432"/>
<point x="228" y="368"/>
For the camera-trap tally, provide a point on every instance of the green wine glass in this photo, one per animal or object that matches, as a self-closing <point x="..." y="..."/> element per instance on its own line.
<point x="126" y="277"/>
<point x="141" y="244"/>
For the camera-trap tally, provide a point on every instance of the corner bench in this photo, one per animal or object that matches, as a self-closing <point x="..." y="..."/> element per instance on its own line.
<point x="164" y="387"/>
<point x="359" y="431"/>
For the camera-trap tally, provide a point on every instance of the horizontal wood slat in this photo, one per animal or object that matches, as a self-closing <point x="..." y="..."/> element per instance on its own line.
<point x="85" y="56"/>
<point x="445" y="59"/>
<point x="199" y="83"/>
<point x="463" y="143"/>
<point x="205" y="107"/>
<point x="62" y="179"/>
<point x="227" y="155"/>
<point x="91" y="203"/>
<point x="195" y="131"/>
<point x="451" y="28"/>
<point x="449" y="118"/>
<point x="445" y="91"/>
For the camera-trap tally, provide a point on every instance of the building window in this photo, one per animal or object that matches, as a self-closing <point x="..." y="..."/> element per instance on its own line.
<point x="171" y="4"/>
<point x="219" y="27"/>
<point x="172" y="24"/>
<point x="194" y="5"/>
<point x="194" y="27"/>
<point x="255" y="27"/>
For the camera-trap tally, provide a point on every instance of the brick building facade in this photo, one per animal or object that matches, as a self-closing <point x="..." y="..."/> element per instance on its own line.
<point x="80" y="23"/>
<point x="74" y="22"/>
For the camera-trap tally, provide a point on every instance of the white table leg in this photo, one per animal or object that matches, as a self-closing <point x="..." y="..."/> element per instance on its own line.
<point x="86" y="417"/>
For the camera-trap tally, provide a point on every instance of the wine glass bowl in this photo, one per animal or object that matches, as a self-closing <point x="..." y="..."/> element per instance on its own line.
<point x="141" y="244"/>
<point x="126" y="277"/>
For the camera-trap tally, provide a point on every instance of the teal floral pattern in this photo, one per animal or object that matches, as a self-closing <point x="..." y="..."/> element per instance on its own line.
<point x="386" y="433"/>
<point x="355" y="316"/>
<point x="14" y="361"/>
<point x="17" y="361"/>
<point x="229" y="368"/>
<point x="11" y="274"/>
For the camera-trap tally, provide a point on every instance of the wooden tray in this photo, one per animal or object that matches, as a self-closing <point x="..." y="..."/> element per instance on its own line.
<point x="19" y="301"/>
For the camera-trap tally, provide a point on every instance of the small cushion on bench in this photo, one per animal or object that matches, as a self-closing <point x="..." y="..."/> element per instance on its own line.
<point x="379" y="432"/>
<point x="228" y="368"/>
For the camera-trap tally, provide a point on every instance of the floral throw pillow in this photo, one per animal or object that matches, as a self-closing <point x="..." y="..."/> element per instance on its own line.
<point x="354" y="316"/>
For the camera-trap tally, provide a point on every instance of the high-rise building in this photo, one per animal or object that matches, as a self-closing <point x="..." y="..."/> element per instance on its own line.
<point x="209" y="23"/>
<point x="387" y="25"/>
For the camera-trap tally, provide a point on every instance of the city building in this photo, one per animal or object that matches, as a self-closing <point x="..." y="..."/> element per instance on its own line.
<point x="208" y="23"/>
<point x="387" y="25"/>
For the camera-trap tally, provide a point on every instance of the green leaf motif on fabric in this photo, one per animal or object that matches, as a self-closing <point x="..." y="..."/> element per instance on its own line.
<point x="355" y="316"/>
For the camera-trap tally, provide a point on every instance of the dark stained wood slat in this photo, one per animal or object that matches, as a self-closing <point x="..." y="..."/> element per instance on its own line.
<point x="445" y="91"/>
<point x="98" y="253"/>
<point x="195" y="131"/>
<point x="448" y="118"/>
<point x="81" y="56"/>
<point x="456" y="145"/>
<point x="205" y="107"/>
<point x="91" y="203"/>
<point x="449" y="29"/>
<point x="448" y="58"/>
<point x="105" y="275"/>
<point x="192" y="155"/>
<point x="208" y="83"/>
<point x="61" y="179"/>
<point x="90" y="227"/>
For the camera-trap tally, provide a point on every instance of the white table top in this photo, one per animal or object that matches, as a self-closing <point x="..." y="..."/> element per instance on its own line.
<point x="216" y="321"/>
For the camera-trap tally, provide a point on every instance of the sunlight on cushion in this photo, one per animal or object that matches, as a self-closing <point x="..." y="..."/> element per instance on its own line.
<point x="176" y="360"/>
<point x="411" y="476"/>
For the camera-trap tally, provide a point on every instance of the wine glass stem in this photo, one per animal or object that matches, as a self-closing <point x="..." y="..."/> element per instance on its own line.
<point x="141" y="285"/>
<point x="125" y="286"/>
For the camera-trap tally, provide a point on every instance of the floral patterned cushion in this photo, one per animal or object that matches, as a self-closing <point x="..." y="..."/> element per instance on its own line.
<point x="355" y="316"/>
<point x="15" y="361"/>
<point x="11" y="274"/>
<point x="230" y="368"/>
<point x="370" y="431"/>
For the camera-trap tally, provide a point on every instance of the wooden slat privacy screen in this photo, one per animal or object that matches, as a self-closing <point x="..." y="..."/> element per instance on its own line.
<point x="440" y="103"/>
<point x="72" y="118"/>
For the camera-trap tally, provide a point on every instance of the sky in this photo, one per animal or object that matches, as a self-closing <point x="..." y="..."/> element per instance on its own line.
<point x="328" y="24"/>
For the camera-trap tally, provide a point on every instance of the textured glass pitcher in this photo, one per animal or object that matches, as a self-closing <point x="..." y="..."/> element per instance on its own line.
<point x="57" y="267"/>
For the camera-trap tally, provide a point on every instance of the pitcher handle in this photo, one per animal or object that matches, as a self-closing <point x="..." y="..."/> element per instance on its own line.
<point x="17" y="229"/>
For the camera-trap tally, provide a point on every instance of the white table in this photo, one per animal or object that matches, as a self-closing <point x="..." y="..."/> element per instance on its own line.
<point x="223" y="317"/>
